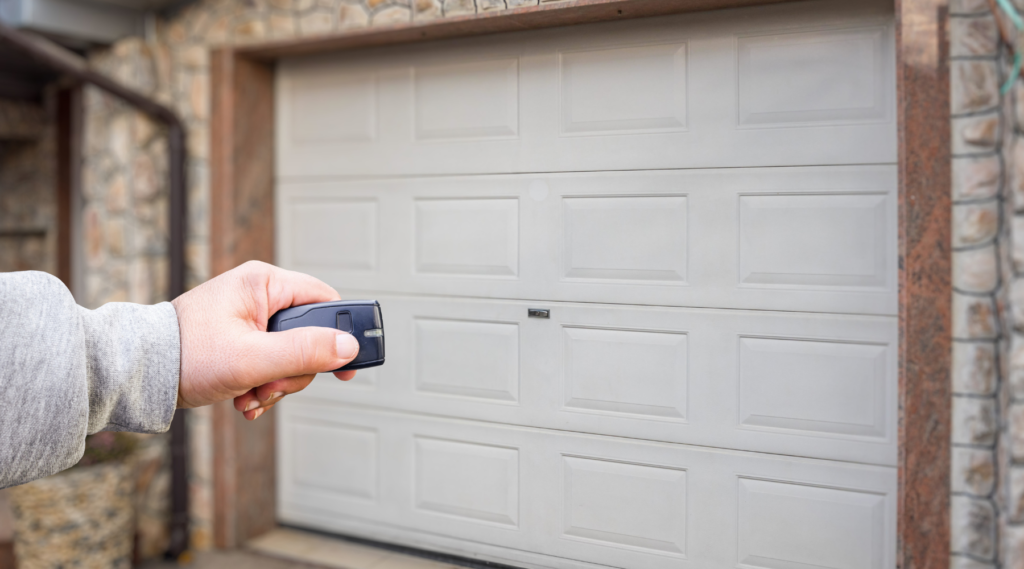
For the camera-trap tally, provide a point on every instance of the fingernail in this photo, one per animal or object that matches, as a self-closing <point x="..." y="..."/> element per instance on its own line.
<point x="258" y="413"/>
<point x="276" y="394"/>
<point x="252" y="405"/>
<point x="347" y="346"/>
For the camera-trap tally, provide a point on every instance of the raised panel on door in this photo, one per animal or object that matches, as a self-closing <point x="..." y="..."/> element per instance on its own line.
<point x="820" y="239"/>
<point x="539" y="498"/>
<point x="789" y="383"/>
<point x="766" y="86"/>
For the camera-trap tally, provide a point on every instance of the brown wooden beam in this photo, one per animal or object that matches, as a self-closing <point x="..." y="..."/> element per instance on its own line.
<point x="925" y="289"/>
<point x="242" y="229"/>
<point x="67" y="169"/>
<point x="549" y="15"/>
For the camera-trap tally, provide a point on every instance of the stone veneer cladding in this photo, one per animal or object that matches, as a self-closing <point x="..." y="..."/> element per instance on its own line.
<point x="987" y="478"/>
<point x="125" y="239"/>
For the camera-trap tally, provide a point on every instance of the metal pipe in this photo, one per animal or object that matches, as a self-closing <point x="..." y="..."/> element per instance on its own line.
<point x="59" y="59"/>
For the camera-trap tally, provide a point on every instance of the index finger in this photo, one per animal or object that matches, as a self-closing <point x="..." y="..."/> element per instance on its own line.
<point x="290" y="288"/>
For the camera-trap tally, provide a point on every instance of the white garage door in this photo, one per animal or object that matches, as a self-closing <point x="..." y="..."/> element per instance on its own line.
<point x="706" y="206"/>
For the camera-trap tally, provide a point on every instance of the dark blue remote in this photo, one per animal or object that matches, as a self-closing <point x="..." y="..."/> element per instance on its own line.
<point x="361" y="318"/>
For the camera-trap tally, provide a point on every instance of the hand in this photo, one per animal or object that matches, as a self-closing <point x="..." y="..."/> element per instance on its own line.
<point x="226" y="351"/>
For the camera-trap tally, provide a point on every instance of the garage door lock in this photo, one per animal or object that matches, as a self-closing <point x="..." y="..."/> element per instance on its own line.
<point x="538" y="313"/>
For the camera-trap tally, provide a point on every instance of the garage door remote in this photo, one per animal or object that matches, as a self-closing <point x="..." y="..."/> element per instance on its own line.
<point x="361" y="318"/>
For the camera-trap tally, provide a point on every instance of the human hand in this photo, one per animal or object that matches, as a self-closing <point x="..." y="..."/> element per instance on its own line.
<point x="226" y="351"/>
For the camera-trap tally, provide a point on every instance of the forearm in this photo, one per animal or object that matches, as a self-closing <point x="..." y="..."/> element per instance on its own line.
<point x="66" y="372"/>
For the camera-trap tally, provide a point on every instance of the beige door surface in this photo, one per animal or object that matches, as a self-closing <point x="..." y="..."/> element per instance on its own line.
<point x="706" y="206"/>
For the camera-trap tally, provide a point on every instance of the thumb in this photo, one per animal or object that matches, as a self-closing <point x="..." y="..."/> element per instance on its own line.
<point x="301" y="351"/>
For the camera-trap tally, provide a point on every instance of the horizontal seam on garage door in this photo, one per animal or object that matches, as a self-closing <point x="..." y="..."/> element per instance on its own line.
<point x="383" y="178"/>
<point x="301" y="399"/>
<point x="378" y="293"/>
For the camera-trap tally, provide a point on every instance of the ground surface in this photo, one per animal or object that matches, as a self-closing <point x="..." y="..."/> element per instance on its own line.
<point x="231" y="560"/>
<point x="286" y="548"/>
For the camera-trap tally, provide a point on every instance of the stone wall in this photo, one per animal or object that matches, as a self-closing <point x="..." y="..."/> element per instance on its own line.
<point x="987" y="128"/>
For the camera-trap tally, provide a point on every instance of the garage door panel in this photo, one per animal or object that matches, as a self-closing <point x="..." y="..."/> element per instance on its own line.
<point x="807" y="239"/>
<point x="595" y="100"/>
<point x="467" y="101"/>
<point x="778" y="87"/>
<point x="605" y="500"/>
<point x="799" y="384"/>
<point x="704" y="208"/>
<point x="841" y="386"/>
<point x="805" y="78"/>
<point x="476" y="359"/>
<point x="627" y="505"/>
<point x="626" y="372"/>
<point x="788" y="525"/>
<point x="469" y="236"/>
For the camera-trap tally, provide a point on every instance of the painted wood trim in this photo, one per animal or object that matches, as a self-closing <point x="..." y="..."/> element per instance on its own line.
<point x="242" y="229"/>
<point x="925" y="288"/>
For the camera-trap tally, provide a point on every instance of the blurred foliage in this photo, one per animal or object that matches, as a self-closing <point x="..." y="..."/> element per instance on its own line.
<point x="107" y="447"/>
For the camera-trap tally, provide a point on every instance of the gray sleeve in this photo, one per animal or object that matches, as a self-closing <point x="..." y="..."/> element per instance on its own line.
<point x="66" y="372"/>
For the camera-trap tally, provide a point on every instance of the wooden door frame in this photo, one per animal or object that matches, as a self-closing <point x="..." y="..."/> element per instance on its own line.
<point x="242" y="210"/>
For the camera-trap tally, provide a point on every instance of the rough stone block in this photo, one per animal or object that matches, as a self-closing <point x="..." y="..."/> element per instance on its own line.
<point x="974" y="317"/>
<point x="976" y="270"/>
<point x="1015" y="494"/>
<point x="193" y="57"/>
<point x="974" y="368"/>
<point x="975" y="223"/>
<point x="199" y="96"/>
<point x="973" y="471"/>
<point x="352" y="16"/>
<point x="1017" y="244"/>
<point x="115" y="237"/>
<point x="249" y="29"/>
<point x="144" y="177"/>
<point x="1017" y="304"/>
<point x="116" y="199"/>
<point x="118" y="137"/>
<point x="281" y="25"/>
<point x="1015" y="432"/>
<point x="1013" y="547"/>
<point x="92" y="231"/>
<point x="974" y="421"/>
<point x="316" y="23"/>
<point x="426" y="10"/>
<point x="491" y="5"/>
<point x="455" y="7"/>
<point x="391" y="16"/>
<point x="217" y="32"/>
<point x="521" y="3"/>
<point x="973" y="525"/>
<point x="973" y="36"/>
<point x="968" y="6"/>
<point x="1015" y="367"/>
<point x="1015" y="174"/>
<point x="962" y="562"/>
<point x="976" y="134"/>
<point x="974" y="86"/>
